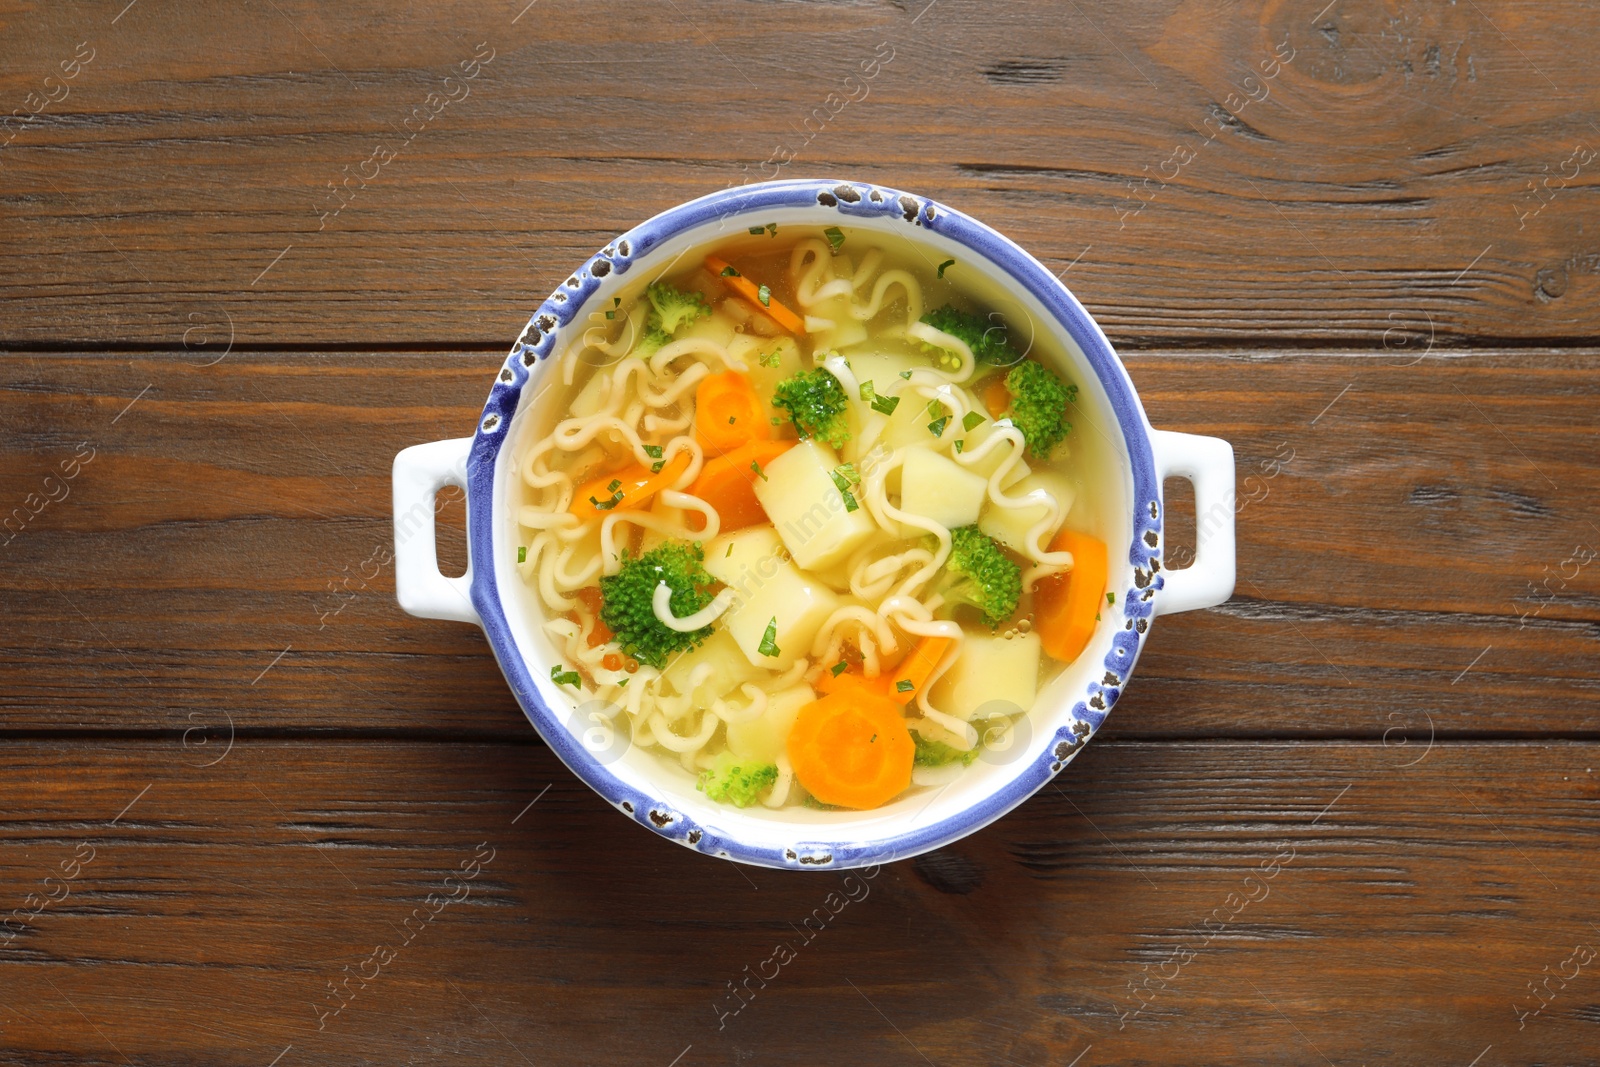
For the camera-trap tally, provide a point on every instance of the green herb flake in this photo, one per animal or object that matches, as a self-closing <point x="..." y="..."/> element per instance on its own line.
<point x="623" y="682"/>
<point x="773" y="358"/>
<point x="769" y="640"/>
<point x="934" y="407"/>
<point x="840" y="481"/>
<point x="904" y="685"/>
<point x="561" y="677"/>
<point x="772" y="229"/>
<point x="755" y="465"/>
<point x="835" y="237"/>
<point x="885" y="404"/>
<point x="757" y="231"/>
<point x="522" y="553"/>
<point x="970" y="420"/>
<point x="906" y="375"/>
<point x="849" y="501"/>
<point x="936" y="427"/>
<point x="653" y="451"/>
<point x="946" y="265"/>
<point x="866" y="390"/>
<point x="840" y="667"/>
<point x="611" y="314"/>
<point x="764" y="294"/>
<point x="732" y="419"/>
<point x="1111" y="598"/>
<point x="728" y="553"/>
<point x="961" y="442"/>
<point x="655" y="468"/>
<point x="729" y="271"/>
<point x="616" y="483"/>
<point x="606" y="505"/>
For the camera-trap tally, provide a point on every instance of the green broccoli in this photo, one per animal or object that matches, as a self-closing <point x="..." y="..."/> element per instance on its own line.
<point x="730" y="780"/>
<point x="937" y="753"/>
<point x="985" y="335"/>
<point x="979" y="574"/>
<point x="670" y="310"/>
<point x="625" y="600"/>
<point x="1039" y="406"/>
<point x="818" y="405"/>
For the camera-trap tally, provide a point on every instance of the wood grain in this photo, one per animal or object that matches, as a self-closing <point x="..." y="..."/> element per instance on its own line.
<point x="1381" y="187"/>
<point x="240" y="510"/>
<point x="1410" y="908"/>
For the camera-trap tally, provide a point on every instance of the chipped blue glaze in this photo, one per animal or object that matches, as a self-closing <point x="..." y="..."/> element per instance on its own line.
<point x="539" y="340"/>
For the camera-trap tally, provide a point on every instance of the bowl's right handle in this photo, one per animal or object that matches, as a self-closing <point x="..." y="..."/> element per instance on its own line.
<point x="1207" y="462"/>
<point x="419" y="473"/>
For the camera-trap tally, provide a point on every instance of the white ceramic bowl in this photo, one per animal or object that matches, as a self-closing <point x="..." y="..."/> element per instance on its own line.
<point x="1070" y="708"/>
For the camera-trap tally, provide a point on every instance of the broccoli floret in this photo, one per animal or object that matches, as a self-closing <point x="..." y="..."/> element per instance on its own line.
<point x="625" y="601"/>
<point x="985" y="335"/>
<point x="818" y="405"/>
<point x="980" y="575"/>
<point x="1039" y="406"/>
<point x="734" y="781"/>
<point x="937" y="753"/>
<point x="671" y="309"/>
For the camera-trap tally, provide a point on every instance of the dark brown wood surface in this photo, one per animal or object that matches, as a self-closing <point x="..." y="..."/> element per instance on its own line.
<point x="1350" y="817"/>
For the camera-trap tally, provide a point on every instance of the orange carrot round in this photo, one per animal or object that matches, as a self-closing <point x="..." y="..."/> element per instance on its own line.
<point x="995" y="396"/>
<point x="852" y="749"/>
<point x="728" y="413"/>
<point x="728" y="482"/>
<point x="625" y="490"/>
<point x="771" y="307"/>
<point x="918" y="667"/>
<point x="1066" y="606"/>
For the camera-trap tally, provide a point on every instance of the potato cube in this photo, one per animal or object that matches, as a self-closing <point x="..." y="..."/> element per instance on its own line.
<point x="936" y="488"/>
<point x="992" y="676"/>
<point x="808" y="509"/>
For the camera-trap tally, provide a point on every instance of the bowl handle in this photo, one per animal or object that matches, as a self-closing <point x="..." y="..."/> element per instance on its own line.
<point x="419" y="473"/>
<point x="1207" y="462"/>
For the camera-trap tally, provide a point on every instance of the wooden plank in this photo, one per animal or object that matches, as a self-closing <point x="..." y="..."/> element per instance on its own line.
<point x="1399" y="914"/>
<point x="1409" y="172"/>
<point x="1406" y="567"/>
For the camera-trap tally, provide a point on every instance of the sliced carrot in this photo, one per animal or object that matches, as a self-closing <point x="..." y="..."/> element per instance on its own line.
<point x="917" y="667"/>
<point x="852" y="749"/>
<point x="995" y="396"/>
<point x="1066" y="606"/>
<point x="625" y="490"/>
<point x="728" y="413"/>
<point x="728" y="482"/>
<point x="748" y="289"/>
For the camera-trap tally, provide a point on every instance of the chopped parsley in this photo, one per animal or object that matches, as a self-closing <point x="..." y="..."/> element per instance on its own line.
<point x="561" y="677"/>
<point x="946" y="265"/>
<point x="522" y="553"/>
<point x="755" y="465"/>
<point x="606" y="505"/>
<point x="1111" y="598"/>
<point x="764" y="294"/>
<point x="616" y="483"/>
<point x="729" y="271"/>
<point x="770" y="229"/>
<point x="616" y="302"/>
<point x="840" y="667"/>
<point x="623" y="682"/>
<point x="971" y="419"/>
<point x="866" y="390"/>
<point x="732" y="419"/>
<point x="885" y="404"/>
<point x="934" y="407"/>
<point x="906" y="375"/>
<point x="936" y="427"/>
<point x="904" y="685"/>
<point x="835" y="237"/>
<point x="655" y="468"/>
<point x="961" y="442"/>
<point x="769" y="640"/>
<point x="772" y="359"/>
<point x="653" y="451"/>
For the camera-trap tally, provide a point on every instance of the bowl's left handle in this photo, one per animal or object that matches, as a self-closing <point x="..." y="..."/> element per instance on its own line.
<point x="1207" y="462"/>
<point x="419" y="473"/>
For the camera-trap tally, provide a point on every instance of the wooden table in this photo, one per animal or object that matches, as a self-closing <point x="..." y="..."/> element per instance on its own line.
<point x="253" y="249"/>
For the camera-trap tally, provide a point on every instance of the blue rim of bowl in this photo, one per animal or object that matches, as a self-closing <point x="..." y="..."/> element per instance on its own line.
<point x="847" y="200"/>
